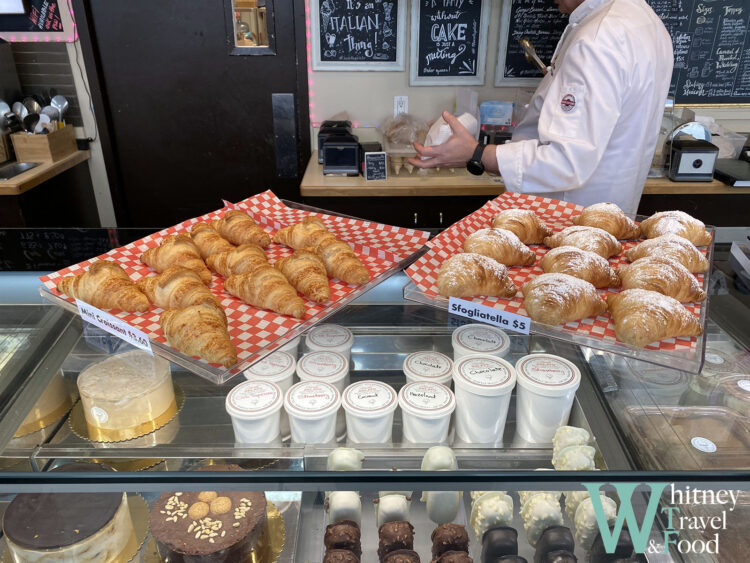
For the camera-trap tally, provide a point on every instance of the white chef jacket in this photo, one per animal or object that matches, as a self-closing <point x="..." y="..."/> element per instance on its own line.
<point x="591" y="127"/>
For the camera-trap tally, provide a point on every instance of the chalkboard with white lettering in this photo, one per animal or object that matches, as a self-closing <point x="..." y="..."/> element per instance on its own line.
<point x="358" y="34"/>
<point x="711" y="46"/>
<point x="375" y="166"/>
<point x="448" y="41"/>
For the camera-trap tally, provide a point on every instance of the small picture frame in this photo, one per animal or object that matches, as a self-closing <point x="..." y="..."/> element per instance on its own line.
<point x="376" y="166"/>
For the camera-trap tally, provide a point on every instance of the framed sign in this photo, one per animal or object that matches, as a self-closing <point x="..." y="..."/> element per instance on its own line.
<point x="358" y="34"/>
<point x="44" y="20"/>
<point x="448" y="42"/>
<point x="376" y="166"/>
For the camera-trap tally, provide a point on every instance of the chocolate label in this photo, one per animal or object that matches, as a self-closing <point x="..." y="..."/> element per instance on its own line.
<point x="428" y="364"/>
<point x="482" y="340"/>
<point x="484" y="371"/>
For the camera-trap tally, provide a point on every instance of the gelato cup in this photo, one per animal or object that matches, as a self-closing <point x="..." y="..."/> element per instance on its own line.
<point x="479" y="339"/>
<point x="369" y="407"/>
<point x="428" y="366"/>
<point x="255" y="410"/>
<point x="277" y="368"/>
<point x="312" y="408"/>
<point x="331" y="338"/>
<point x="426" y="409"/>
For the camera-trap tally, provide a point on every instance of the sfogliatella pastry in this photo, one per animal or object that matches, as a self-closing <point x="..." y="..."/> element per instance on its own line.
<point x="673" y="247"/>
<point x="676" y="223"/>
<point x="239" y="228"/>
<point x="556" y="299"/>
<point x="524" y="223"/>
<point x="266" y="288"/>
<point x="177" y="250"/>
<point x="469" y="275"/>
<point x="175" y="288"/>
<point x="663" y="275"/>
<point x="126" y="396"/>
<point x="307" y="273"/>
<point x="449" y="537"/>
<point x="208" y="241"/>
<point x="107" y="286"/>
<point x="241" y="260"/>
<point x="343" y="535"/>
<point x="592" y="239"/>
<point x="393" y="536"/>
<point x="582" y="264"/>
<point x="501" y="245"/>
<point x="642" y="316"/>
<point x="200" y="330"/>
<point x="208" y="526"/>
<point x="608" y="217"/>
<point x="80" y="527"/>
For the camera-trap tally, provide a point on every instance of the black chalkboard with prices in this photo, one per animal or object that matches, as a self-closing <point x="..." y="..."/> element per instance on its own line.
<point x="710" y="40"/>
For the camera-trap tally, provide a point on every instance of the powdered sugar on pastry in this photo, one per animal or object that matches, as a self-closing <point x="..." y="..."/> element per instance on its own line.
<point x="664" y="275"/>
<point x="582" y="264"/>
<point x="500" y="244"/>
<point x="673" y="247"/>
<point x="559" y="298"/>
<point x="609" y="217"/>
<point x="469" y="274"/>
<point x="586" y="238"/>
<point x="678" y="223"/>
<point x="524" y="223"/>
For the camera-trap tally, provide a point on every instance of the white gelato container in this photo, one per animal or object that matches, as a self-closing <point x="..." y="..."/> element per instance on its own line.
<point x="483" y="386"/>
<point x="331" y="338"/>
<point x="312" y="408"/>
<point x="255" y="410"/>
<point x="428" y="366"/>
<point x="291" y="347"/>
<point x="479" y="339"/>
<point x="277" y="368"/>
<point x="369" y="407"/>
<point x="330" y="367"/>
<point x="547" y="385"/>
<point x="426" y="409"/>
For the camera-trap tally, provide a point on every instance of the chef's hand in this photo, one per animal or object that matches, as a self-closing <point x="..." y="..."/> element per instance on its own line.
<point x="453" y="153"/>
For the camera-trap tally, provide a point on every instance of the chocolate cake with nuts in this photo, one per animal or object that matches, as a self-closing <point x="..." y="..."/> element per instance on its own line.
<point x="208" y="526"/>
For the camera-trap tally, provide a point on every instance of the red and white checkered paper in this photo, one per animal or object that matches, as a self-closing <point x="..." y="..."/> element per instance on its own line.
<point x="378" y="246"/>
<point x="557" y="215"/>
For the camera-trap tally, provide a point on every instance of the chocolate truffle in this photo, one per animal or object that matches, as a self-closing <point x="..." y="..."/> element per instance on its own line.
<point x="340" y="556"/>
<point x="558" y="556"/>
<point x="623" y="550"/>
<point x="343" y="535"/>
<point x="498" y="542"/>
<point x="511" y="559"/>
<point x="453" y="557"/>
<point x="402" y="556"/>
<point x="449" y="537"/>
<point x="554" y="538"/>
<point x="395" y="535"/>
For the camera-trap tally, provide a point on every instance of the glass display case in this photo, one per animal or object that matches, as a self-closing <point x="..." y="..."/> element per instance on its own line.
<point x="692" y="430"/>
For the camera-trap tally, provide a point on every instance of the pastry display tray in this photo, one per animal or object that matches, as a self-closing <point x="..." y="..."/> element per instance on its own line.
<point x="384" y="249"/>
<point x="682" y="353"/>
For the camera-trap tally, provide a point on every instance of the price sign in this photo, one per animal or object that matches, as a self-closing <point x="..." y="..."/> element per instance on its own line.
<point x="489" y="315"/>
<point x="114" y="326"/>
<point x="375" y="166"/>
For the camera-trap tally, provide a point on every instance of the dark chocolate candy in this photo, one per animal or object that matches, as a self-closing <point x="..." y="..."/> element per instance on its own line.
<point x="554" y="538"/>
<point x="511" y="559"/>
<point x="497" y="542"/>
<point x="559" y="556"/>
<point x="623" y="550"/>
<point x="343" y="535"/>
<point x="398" y="534"/>
<point x="449" y="537"/>
<point x="402" y="556"/>
<point x="453" y="557"/>
<point x="340" y="556"/>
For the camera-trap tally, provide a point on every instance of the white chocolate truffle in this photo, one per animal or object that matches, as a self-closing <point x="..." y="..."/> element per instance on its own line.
<point x="572" y="500"/>
<point x="442" y="506"/>
<point x="585" y="520"/>
<point x="476" y="494"/>
<point x="576" y="458"/>
<point x="439" y="458"/>
<point x="525" y="496"/>
<point x="345" y="459"/>
<point x="491" y="510"/>
<point x="391" y="508"/>
<point x="568" y="436"/>
<point x="344" y="505"/>
<point x="541" y="513"/>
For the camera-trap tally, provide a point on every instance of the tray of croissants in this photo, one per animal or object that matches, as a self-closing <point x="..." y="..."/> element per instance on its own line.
<point x="215" y="293"/>
<point x="590" y="275"/>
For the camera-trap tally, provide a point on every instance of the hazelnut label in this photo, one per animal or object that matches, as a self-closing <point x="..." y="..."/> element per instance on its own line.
<point x="370" y="396"/>
<point x="484" y="371"/>
<point x="483" y="340"/>
<point x="428" y="364"/>
<point x="322" y="364"/>
<point x="275" y="364"/>
<point x="427" y="396"/>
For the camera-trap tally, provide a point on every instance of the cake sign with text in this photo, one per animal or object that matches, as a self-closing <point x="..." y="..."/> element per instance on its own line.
<point x="449" y="37"/>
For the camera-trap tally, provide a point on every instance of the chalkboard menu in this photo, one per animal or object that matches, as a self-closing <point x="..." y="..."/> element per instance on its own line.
<point x="448" y="41"/>
<point x="711" y="47"/>
<point x="358" y="34"/>
<point x="375" y="166"/>
<point x="40" y="16"/>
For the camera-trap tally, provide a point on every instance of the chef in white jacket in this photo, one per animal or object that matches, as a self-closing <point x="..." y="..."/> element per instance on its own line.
<point x="591" y="128"/>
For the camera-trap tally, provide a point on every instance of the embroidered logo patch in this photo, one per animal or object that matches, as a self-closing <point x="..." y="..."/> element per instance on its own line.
<point x="568" y="102"/>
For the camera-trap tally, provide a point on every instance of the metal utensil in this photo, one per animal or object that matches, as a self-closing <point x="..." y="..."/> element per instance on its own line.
<point x="531" y="56"/>
<point x="60" y="103"/>
<point x="32" y="105"/>
<point x="30" y="121"/>
<point x="13" y="122"/>
<point x="4" y="108"/>
<point x="20" y="110"/>
<point x="43" y="119"/>
<point x="51" y="112"/>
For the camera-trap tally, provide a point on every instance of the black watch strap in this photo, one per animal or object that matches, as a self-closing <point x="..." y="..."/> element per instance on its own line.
<point x="475" y="165"/>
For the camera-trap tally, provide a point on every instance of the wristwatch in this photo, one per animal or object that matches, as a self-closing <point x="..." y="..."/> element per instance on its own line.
<point x="475" y="166"/>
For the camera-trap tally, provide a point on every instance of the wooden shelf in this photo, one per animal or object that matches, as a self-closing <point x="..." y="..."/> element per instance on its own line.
<point x="46" y="170"/>
<point x="444" y="183"/>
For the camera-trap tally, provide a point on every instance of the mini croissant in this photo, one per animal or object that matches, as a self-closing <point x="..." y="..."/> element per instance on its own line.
<point x="500" y="244"/>
<point x="307" y="273"/>
<point x="469" y="275"/>
<point x="175" y="288"/>
<point x="609" y="217"/>
<point x="592" y="239"/>
<point x="556" y="299"/>
<point x="107" y="286"/>
<point x="239" y="228"/>
<point x="676" y="223"/>
<point x="642" y="316"/>
<point x="177" y="250"/>
<point x="581" y="264"/>
<point x="240" y="260"/>
<point x="673" y="247"/>
<point x="200" y="330"/>
<point x="524" y="223"/>
<point x="266" y="288"/>
<point x="663" y="275"/>
<point x="208" y="241"/>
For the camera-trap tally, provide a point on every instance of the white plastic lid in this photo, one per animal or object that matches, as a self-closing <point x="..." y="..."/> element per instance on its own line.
<point x="312" y="400"/>
<point x="274" y="367"/>
<point x="480" y="339"/>
<point x="251" y="400"/>
<point x="428" y="366"/>
<point x="330" y="337"/>
<point x="426" y="399"/>
<point x="484" y="375"/>
<point x="547" y="375"/>
<point x="369" y="399"/>
<point x="322" y="366"/>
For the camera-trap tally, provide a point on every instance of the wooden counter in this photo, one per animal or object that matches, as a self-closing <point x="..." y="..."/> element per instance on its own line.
<point x="44" y="171"/>
<point x="443" y="183"/>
